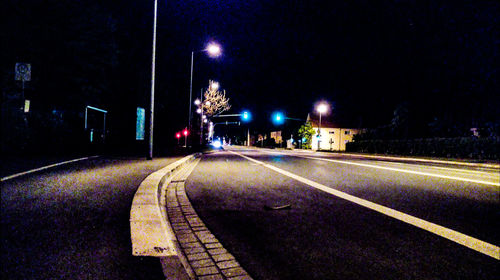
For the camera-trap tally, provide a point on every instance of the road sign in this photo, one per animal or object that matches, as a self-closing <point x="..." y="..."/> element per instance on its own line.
<point x="26" y="106"/>
<point x="23" y="72"/>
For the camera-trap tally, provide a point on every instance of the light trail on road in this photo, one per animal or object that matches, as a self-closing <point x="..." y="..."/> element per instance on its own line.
<point x="460" y="238"/>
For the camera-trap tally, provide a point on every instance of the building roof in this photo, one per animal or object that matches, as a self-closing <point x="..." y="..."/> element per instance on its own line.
<point x="326" y="121"/>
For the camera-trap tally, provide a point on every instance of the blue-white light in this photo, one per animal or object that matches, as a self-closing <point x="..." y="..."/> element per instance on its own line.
<point x="278" y="118"/>
<point x="216" y="144"/>
<point x="246" y="116"/>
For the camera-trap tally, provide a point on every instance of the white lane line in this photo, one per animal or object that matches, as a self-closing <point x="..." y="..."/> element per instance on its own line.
<point x="44" y="167"/>
<point x="399" y="170"/>
<point x="455" y="236"/>
<point x="486" y="165"/>
<point x="451" y="169"/>
<point x="410" y="171"/>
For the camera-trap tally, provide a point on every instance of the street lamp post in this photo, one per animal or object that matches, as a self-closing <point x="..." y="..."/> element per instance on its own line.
<point x="152" y="108"/>
<point x="322" y="108"/>
<point x="214" y="50"/>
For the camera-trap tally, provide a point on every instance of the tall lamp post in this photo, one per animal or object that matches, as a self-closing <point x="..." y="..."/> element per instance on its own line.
<point x="321" y="108"/>
<point x="152" y="108"/>
<point x="213" y="50"/>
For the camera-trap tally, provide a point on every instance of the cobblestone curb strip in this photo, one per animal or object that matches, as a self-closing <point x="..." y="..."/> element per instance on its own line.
<point x="206" y="257"/>
<point x="164" y="224"/>
<point x="151" y="235"/>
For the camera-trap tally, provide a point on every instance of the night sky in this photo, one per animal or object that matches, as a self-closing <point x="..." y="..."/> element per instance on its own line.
<point x="438" y="59"/>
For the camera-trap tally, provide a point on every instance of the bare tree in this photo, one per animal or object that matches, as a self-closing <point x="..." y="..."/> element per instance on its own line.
<point x="215" y="101"/>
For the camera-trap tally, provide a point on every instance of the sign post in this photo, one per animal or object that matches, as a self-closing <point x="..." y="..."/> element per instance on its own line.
<point x="23" y="74"/>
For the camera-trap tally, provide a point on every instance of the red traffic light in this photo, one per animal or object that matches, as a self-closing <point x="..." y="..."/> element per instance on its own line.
<point x="185" y="132"/>
<point x="178" y="135"/>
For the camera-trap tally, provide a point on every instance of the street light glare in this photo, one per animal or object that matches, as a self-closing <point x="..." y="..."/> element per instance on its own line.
<point x="197" y="102"/>
<point x="322" y="108"/>
<point x="215" y="85"/>
<point x="214" y="50"/>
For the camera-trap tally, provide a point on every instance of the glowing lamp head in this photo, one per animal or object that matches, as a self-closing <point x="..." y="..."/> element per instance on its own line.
<point x="197" y="102"/>
<point x="178" y="135"/>
<point x="214" y="85"/>
<point x="185" y="132"/>
<point x="214" y="50"/>
<point x="322" y="108"/>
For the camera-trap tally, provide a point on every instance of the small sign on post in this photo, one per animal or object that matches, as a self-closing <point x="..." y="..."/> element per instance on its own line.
<point x="26" y="106"/>
<point x="140" y="123"/>
<point x="23" y="72"/>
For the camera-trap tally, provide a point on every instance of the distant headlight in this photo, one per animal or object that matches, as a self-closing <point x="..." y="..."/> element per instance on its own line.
<point x="216" y="144"/>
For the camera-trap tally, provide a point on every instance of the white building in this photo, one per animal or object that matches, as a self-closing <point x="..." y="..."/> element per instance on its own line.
<point x="331" y="136"/>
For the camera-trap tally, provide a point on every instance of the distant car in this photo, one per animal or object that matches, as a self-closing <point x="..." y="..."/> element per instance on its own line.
<point x="216" y="144"/>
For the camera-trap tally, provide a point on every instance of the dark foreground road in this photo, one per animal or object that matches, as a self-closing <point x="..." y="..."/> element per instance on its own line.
<point x="72" y="222"/>
<point x="326" y="237"/>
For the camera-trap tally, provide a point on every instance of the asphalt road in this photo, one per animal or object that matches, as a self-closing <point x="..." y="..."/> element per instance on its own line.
<point x="72" y="222"/>
<point x="323" y="236"/>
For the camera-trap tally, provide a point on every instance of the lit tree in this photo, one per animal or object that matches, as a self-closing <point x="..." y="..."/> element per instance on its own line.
<point x="306" y="131"/>
<point x="215" y="101"/>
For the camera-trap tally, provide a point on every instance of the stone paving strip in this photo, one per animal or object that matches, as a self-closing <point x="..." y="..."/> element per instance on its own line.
<point x="206" y="257"/>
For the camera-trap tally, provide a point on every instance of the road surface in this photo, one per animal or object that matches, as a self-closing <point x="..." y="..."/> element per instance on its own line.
<point x="72" y="222"/>
<point x="324" y="236"/>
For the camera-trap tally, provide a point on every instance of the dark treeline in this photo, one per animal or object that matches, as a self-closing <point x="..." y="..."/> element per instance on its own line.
<point x="411" y="69"/>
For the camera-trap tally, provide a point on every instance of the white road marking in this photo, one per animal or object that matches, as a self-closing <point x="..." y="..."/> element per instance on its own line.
<point x="44" y="167"/>
<point x="455" y="236"/>
<point x="497" y="183"/>
<point x="409" y="171"/>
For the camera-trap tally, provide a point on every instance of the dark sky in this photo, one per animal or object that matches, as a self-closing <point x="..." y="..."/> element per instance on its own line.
<point x="364" y="57"/>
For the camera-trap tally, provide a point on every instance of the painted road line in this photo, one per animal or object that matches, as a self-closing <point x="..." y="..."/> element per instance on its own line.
<point x="409" y="171"/>
<point x="387" y="167"/>
<point x="497" y="183"/>
<point x="44" y="167"/>
<point x="485" y="165"/>
<point x="455" y="236"/>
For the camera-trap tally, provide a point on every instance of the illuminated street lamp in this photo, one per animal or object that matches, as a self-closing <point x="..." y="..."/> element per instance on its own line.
<point x="214" y="50"/>
<point x="214" y="85"/>
<point x="321" y="109"/>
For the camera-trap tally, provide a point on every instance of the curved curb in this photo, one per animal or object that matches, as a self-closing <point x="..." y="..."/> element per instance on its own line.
<point x="150" y="233"/>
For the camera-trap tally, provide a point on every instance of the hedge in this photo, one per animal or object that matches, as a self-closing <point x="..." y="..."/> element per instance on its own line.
<point x="463" y="147"/>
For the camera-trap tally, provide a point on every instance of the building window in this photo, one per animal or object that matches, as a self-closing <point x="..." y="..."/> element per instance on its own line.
<point x="332" y="132"/>
<point x="347" y="132"/>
